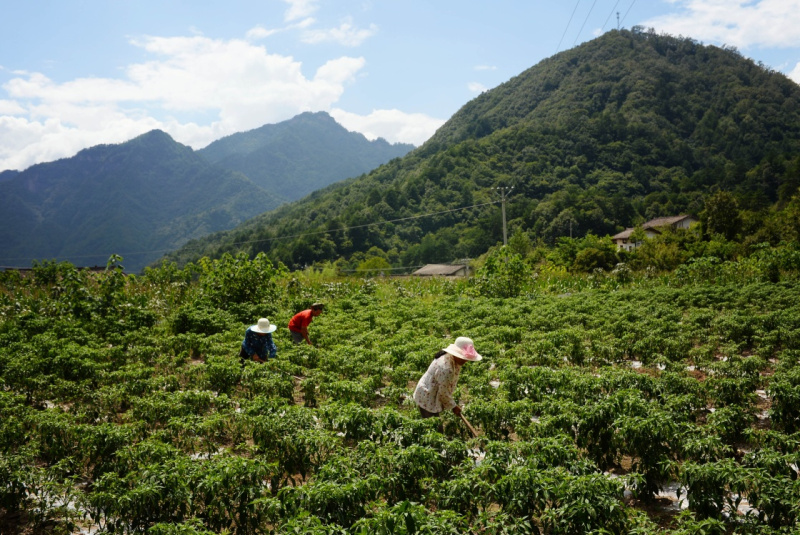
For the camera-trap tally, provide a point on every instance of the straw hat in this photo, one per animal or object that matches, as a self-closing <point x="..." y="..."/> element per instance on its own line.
<point x="464" y="349"/>
<point x="264" y="326"/>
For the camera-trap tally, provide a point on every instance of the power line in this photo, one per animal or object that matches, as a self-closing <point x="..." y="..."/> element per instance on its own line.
<point x="285" y="237"/>
<point x="567" y="28"/>
<point x="584" y="23"/>
<point x="629" y="10"/>
<point x="609" y="15"/>
<point x="289" y="236"/>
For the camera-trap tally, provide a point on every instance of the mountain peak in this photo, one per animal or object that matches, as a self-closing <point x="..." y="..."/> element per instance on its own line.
<point x="300" y="155"/>
<point x="627" y="127"/>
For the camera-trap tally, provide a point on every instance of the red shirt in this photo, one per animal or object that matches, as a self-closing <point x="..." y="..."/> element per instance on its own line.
<point x="300" y="320"/>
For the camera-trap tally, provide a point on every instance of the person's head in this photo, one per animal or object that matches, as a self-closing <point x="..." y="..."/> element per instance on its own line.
<point x="463" y="350"/>
<point x="263" y="327"/>
<point x="316" y="309"/>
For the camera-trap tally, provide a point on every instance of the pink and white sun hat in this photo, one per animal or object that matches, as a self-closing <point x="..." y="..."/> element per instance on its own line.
<point x="464" y="349"/>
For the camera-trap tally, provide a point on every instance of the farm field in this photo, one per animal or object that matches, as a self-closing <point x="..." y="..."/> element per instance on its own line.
<point x="638" y="404"/>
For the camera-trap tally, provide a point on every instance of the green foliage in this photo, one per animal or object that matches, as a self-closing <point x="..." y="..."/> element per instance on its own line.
<point x="674" y="380"/>
<point x="503" y="275"/>
<point x="721" y="215"/>
<point x="622" y="129"/>
<point x="713" y="487"/>
<point x="231" y="281"/>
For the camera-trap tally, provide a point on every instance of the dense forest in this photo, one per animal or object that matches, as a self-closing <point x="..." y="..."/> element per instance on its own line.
<point x="627" y="127"/>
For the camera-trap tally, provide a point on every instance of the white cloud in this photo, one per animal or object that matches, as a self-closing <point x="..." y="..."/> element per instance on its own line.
<point x="476" y="87"/>
<point x="740" y="23"/>
<point x="233" y="84"/>
<point x="303" y="24"/>
<point x="24" y="142"/>
<point x="299" y="9"/>
<point x="485" y="68"/>
<point x="259" y="32"/>
<point x="10" y="107"/>
<point x="394" y="126"/>
<point x="795" y="73"/>
<point x="346" y="34"/>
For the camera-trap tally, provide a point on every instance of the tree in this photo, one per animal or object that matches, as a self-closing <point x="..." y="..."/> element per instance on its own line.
<point x="520" y="243"/>
<point x="721" y="215"/>
<point x="373" y="266"/>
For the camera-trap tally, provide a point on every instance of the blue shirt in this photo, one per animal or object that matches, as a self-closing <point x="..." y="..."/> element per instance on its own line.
<point x="260" y="344"/>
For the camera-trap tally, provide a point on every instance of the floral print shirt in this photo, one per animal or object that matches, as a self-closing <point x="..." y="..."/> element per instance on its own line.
<point x="260" y="344"/>
<point x="434" y="392"/>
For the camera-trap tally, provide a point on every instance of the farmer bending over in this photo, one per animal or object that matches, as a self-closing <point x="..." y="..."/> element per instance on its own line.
<point x="299" y="323"/>
<point x="434" y="392"/>
<point x="257" y="343"/>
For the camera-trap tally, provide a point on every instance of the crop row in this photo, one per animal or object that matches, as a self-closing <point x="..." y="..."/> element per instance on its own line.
<point x="125" y="406"/>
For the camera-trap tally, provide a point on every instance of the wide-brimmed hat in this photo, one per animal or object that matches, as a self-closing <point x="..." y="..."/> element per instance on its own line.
<point x="464" y="349"/>
<point x="264" y="326"/>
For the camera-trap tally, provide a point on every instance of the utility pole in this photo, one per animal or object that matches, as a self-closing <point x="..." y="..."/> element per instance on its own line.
<point x="617" y="20"/>
<point x="504" y="192"/>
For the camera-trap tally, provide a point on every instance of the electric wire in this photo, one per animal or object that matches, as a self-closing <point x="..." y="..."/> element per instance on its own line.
<point x="584" y="23"/>
<point x="609" y="15"/>
<point x="629" y="10"/>
<point x="567" y="27"/>
<point x="274" y="238"/>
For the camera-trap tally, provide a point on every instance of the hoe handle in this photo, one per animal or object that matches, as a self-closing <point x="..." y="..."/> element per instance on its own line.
<point x="474" y="433"/>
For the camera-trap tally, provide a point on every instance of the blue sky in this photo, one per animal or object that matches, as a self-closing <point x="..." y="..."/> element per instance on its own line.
<point x="78" y="73"/>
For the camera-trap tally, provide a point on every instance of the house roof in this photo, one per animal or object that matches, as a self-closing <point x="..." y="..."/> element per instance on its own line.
<point x="625" y="234"/>
<point x="664" y="221"/>
<point x="652" y="225"/>
<point x="439" y="269"/>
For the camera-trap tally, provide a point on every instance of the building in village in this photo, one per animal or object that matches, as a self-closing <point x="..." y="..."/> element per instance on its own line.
<point x="652" y="228"/>
<point x="442" y="270"/>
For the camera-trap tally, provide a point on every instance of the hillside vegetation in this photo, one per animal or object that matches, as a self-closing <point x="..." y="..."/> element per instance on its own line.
<point x="295" y="157"/>
<point x="619" y="130"/>
<point x="151" y="194"/>
<point x="137" y="198"/>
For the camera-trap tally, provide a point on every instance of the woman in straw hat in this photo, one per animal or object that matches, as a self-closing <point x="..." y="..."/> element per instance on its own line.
<point x="434" y="392"/>
<point x="257" y="343"/>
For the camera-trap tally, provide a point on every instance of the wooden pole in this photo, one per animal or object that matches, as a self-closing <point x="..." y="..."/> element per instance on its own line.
<point x="474" y="433"/>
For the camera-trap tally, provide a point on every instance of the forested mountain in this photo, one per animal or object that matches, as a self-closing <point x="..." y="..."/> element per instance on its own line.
<point x="151" y="194"/>
<point x="7" y="175"/>
<point x="624" y="128"/>
<point x="305" y="153"/>
<point x="135" y="199"/>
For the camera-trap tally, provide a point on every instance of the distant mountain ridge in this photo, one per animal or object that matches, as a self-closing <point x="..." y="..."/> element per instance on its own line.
<point x="136" y="199"/>
<point x="150" y="195"/>
<point x="301" y="155"/>
<point x="621" y="129"/>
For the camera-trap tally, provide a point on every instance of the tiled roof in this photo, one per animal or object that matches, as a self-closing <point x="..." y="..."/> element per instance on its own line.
<point x="439" y="269"/>
<point x="624" y="235"/>
<point x="664" y="221"/>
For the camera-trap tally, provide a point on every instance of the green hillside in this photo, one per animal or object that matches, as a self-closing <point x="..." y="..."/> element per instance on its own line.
<point x="295" y="157"/>
<point x="136" y="199"/>
<point x="619" y="130"/>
